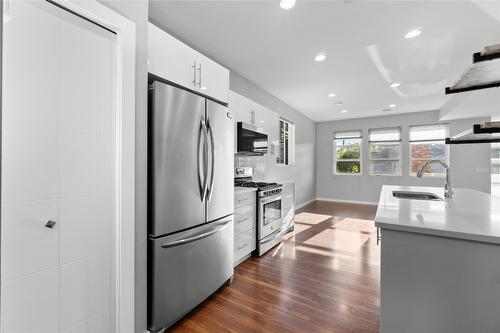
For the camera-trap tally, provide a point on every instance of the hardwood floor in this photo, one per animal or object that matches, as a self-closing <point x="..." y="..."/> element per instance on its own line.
<point x="324" y="277"/>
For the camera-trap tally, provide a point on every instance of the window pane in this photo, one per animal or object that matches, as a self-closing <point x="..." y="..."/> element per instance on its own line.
<point x="385" y="134"/>
<point x="351" y="151"/>
<point x="428" y="150"/>
<point x="428" y="132"/>
<point x="385" y="151"/>
<point x="434" y="168"/>
<point x="348" y="167"/>
<point x="384" y="168"/>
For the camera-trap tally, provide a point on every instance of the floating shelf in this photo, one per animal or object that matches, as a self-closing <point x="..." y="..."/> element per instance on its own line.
<point x="480" y="133"/>
<point x="483" y="73"/>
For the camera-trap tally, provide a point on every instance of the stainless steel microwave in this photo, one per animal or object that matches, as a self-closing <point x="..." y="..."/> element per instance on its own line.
<point x="251" y="140"/>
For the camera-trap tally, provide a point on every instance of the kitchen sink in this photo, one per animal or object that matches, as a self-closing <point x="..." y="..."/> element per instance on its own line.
<point x="416" y="195"/>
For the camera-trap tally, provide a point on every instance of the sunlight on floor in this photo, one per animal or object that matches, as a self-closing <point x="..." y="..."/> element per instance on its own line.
<point x="311" y="218"/>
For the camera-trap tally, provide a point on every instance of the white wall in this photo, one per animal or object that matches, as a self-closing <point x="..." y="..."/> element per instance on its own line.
<point x="470" y="164"/>
<point x="303" y="173"/>
<point x="137" y="11"/>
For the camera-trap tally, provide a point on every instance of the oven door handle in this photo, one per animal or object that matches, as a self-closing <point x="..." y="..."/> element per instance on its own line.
<point x="265" y="200"/>
<point x="278" y="234"/>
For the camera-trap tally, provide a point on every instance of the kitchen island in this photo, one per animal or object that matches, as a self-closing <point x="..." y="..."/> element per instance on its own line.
<point x="440" y="262"/>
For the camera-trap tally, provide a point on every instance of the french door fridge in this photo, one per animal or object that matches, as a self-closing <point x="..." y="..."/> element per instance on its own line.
<point x="190" y="202"/>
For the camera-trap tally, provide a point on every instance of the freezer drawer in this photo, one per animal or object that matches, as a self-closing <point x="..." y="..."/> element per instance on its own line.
<point x="186" y="268"/>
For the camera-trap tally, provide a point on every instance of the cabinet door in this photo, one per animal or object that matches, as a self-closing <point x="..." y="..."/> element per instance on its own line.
<point x="212" y="79"/>
<point x="269" y="120"/>
<point x="170" y="59"/>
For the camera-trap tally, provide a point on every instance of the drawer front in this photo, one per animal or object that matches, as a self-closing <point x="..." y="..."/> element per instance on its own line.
<point x="244" y="244"/>
<point x="244" y="223"/>
<point x="245" y="199"/>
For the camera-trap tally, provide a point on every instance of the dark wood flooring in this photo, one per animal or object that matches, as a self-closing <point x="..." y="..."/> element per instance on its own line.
<point x="324" y="277"/>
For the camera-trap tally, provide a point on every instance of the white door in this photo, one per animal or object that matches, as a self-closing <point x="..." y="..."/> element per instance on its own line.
<point x="58" y="153"/>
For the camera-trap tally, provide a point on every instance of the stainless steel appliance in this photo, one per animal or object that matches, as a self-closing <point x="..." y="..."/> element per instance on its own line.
<point x="251" y="140"/>
<point x="270" y="228"/>
<point x="190" y="203"/>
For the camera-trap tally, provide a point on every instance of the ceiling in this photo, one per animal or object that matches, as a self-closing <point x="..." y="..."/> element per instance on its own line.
<point x="363" y="41"/>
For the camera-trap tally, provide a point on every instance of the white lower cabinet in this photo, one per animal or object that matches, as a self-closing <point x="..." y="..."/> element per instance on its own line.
<point x="288" y="205"/>
<point x="245" y="218"/>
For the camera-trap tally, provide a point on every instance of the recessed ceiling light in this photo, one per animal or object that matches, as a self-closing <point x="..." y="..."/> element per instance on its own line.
<point x="395" y="84"/>
<point x="338" y="103"/>
<point x="203" y="88"/>
<point x="413" y="33"/>
<point x="287" y="4"/>
<point x="343" y="111"/>
<point x="331" y="94"/>
<point x="320" y="57"/>
<point x="392" y="106"/>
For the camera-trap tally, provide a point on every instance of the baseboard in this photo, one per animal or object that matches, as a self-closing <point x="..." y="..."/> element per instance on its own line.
<point x="299" y="206"/>
<point x="371" y="203"/>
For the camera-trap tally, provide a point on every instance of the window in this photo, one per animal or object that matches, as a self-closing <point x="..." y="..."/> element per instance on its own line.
<point x="286" y="154"/>
<point x="427" y="143"/>
<point x="385" y="151"/>
<point x="347" y="152"/>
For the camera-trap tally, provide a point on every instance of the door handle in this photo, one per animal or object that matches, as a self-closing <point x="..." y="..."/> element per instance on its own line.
<point x="194" y="238"/>
<point x="212" y="174"/>
<point x="50" y="224"/>
<point x="278" y="234"/>
<point x="194" y="74"/>
<point x="202" y="183"/>
<point x="199" y="76"/>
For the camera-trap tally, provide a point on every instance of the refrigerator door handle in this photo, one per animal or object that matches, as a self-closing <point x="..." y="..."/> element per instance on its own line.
<point x="212" y="174"/>
<point x="203" y="184"/>
<point x="194" y="238"/>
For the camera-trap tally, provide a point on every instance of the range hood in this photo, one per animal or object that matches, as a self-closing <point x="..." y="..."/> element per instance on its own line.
<point x="480" y="133"/>
<point x="483" y="73"/>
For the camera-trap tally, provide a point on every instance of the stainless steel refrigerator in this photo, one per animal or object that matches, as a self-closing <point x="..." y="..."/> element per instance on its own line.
<point x="190" y="202"/>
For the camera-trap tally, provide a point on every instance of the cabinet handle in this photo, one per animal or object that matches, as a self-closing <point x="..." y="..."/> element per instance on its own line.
<point x="50" y="224"/>
<point x="194" y="74"/>
<point x="199" y="76"/>
<point x="243" y="220"/>
<point x="241" y="247"/>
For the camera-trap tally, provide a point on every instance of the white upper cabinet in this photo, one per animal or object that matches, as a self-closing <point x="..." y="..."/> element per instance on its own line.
<point x="174" y="61"/>
<point x="247" y="111"/>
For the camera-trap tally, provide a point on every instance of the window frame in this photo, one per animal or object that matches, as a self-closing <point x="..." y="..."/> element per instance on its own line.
<point x="395" y="142"/>
<point x="290" y="160"/>
<point x="442" y="141"/>
<point x="360" y="160"/>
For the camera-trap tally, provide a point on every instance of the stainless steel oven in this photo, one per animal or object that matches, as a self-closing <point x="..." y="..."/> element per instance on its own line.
<point x="269" y="221"/>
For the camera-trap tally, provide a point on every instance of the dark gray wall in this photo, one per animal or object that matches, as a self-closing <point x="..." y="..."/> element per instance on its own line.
<point x="137" y="11"/>
<point x="303" y="173"/>
<point x="470" y="164"/>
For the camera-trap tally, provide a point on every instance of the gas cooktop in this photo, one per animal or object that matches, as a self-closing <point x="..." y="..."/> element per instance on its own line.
<point x="261" y="186"/>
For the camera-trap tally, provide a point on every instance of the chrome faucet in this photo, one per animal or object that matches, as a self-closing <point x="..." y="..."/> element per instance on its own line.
<point x="448" y="191"/>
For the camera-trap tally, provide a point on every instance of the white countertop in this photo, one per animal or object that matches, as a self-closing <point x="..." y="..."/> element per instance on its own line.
<point x="239" y="189"/>
<point x="470" y="214"/>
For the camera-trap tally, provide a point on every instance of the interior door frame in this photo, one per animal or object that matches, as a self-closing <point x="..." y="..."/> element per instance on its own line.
<point x="125" y="149"/>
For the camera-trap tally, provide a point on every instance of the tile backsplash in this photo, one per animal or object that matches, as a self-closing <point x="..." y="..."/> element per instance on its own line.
<point x="262" y="165"/>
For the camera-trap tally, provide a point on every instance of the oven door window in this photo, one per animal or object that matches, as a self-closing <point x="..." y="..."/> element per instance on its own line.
<point x="272" y="211"/>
